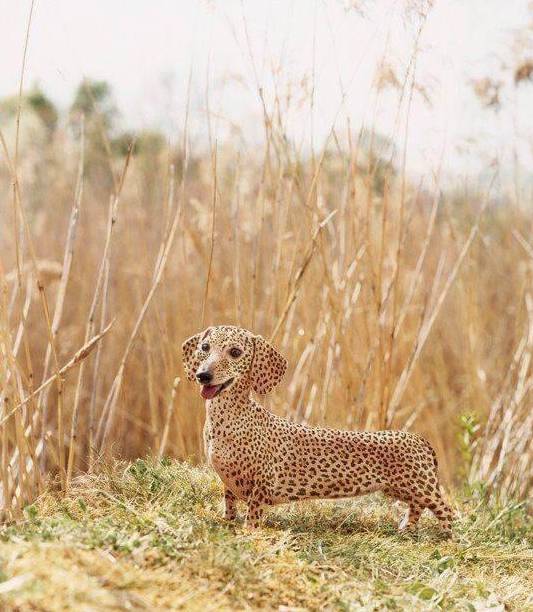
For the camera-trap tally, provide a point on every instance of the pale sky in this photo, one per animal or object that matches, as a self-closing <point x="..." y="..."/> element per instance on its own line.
<point x="145" y="49"/>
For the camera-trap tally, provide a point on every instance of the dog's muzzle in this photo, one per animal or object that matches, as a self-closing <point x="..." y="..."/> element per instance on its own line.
<point x="210" y="391"/>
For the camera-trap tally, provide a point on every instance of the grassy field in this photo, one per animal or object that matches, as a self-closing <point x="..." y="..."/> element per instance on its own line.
<point x="149" y="535"/>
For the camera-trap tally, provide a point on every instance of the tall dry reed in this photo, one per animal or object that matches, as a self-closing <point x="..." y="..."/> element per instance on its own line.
<point x="398" y="305"/>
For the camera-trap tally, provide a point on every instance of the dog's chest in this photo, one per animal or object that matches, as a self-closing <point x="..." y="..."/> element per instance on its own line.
<point x="231" y="453"/>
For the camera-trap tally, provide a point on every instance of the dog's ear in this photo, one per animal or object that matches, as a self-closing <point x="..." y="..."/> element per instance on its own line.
<point x="268" y="366"/>
<point x="190" y="355"/>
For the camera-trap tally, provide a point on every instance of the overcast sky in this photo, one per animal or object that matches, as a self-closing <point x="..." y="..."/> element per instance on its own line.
<point x="145" y="49"/>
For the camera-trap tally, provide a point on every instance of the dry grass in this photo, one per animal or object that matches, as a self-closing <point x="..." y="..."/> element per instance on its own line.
<point x="397" y="306"/>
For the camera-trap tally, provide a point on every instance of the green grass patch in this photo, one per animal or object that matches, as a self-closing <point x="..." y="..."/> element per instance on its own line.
<point x="150" y="535"/>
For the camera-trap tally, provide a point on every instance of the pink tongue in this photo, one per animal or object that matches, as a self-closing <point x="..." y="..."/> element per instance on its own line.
<point x="209" y="391"/>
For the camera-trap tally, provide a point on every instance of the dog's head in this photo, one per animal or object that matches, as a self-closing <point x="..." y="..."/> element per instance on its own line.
<point x="219" y="357"/>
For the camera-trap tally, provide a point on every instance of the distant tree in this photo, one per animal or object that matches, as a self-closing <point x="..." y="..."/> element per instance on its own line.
<point x="94" y="100"/>
<point x="93" y="109"/>
<point x="147" y="143"/>
<point x="35" y="101"/>
<point x="43" y="107"/>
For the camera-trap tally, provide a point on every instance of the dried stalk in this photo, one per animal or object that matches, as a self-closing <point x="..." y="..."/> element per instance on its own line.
<point x="78" y="357"/>
<point x="108" y="412"/>
<point x="212" y="240"/>
<point x="300" y="274"/>
<point x="170" y="412"/>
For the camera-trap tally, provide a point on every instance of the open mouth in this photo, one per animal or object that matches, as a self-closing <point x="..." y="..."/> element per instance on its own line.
<point x="211" y="391"/>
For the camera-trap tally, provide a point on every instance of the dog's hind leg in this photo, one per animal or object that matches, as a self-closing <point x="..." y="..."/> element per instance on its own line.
<point x="410" y="518"/>
<point x="442" y="511"/>
<point x="231" y="505"/>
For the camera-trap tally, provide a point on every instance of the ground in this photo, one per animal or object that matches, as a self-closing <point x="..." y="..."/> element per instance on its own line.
<point x="149" y="535"/>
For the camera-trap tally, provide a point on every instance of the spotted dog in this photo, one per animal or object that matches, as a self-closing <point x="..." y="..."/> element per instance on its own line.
<point x="264" y="459"/>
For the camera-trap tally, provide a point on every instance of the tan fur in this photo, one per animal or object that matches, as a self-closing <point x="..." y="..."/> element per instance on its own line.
<point x="264" y="459"/>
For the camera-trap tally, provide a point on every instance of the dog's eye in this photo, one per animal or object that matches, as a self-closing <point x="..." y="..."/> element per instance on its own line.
<point x="235" y="352"/>
<point x="205" y="347"/>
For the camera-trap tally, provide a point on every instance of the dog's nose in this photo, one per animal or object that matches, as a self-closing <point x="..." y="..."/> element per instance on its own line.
<point x="204" y="377"/>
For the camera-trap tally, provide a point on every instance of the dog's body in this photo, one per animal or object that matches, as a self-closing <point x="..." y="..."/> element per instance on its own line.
<point x="264" y="459"/>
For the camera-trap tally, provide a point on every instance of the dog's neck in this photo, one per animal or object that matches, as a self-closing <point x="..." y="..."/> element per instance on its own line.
<point x="235" y="401"/>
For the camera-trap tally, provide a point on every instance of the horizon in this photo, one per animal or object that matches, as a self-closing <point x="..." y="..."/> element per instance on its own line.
<point x="231" y="49"/>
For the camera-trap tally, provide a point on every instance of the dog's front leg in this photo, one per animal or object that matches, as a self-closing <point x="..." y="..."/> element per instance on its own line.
<point x="255" y="506"/>
<point x="230" y="500"/>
